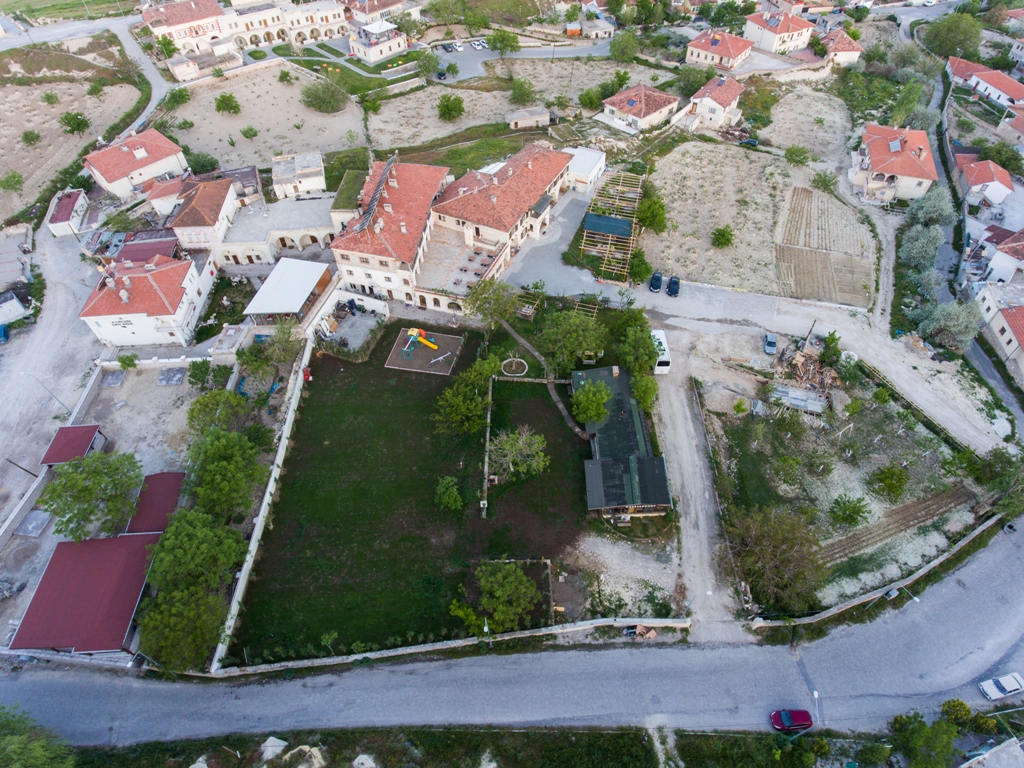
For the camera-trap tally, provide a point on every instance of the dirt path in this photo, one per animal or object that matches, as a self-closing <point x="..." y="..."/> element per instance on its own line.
<point x="685" y="448"/>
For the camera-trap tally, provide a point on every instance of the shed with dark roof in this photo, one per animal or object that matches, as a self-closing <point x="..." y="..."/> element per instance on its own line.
<point x="73" y="443"/>
<point x="156" y="502"/>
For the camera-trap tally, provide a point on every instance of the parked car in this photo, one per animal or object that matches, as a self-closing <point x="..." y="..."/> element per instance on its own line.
<point x="791" y="719"/>
<point x="441" y="74"/>
<point x="458" y="46"/>
<point x="770" y="344"/>
<point x="929" y="3"/>
<point x="5" y="334"/>
<point x="477" y="45"/>
<point x="447" y="47"/>
<point x="1000" y="687"/>
<point x="748" y="143"/>
<point x="484" y="44"/>
<point x="673" y="286"/>
<point x="656" y="282"/>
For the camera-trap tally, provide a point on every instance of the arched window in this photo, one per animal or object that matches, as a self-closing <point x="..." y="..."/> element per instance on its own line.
<point x="437" y="302"/>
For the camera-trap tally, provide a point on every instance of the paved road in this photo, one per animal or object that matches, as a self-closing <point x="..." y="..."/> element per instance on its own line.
<point x="965" y="629"/>
<point x="908" y="15"/>
<point x="471" y="62"/>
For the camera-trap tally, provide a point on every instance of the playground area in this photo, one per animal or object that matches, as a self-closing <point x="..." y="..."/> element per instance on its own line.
<point x="424" y="352"/>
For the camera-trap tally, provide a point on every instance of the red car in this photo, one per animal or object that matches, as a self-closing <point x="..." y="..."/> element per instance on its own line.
<point x="791" y="720"/>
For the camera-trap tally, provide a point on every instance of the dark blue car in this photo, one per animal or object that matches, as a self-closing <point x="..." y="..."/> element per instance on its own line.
<point x="673" y="286"/>
<point x="656" y="282"/>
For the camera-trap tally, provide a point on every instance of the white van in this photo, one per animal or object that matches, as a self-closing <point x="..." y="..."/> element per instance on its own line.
<point x="664" y="364"/>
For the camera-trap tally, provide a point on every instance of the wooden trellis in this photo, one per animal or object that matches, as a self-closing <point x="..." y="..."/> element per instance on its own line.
<point x="586" y="308"/>
<point x="618" y="197"/>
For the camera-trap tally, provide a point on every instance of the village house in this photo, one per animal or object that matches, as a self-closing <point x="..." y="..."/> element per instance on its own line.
<point x="1002" y="308"/>
<point x="139" y="304"/>
<point x="585" y="168"/>
<point x="298" y="174"/>
<point x="222" y="54"/>
<point x="261" y="232"/>
<point x="794" y="7"/>
<point x="719" y="49"/>
<point x="124" y="165"/>
<point x="596" y="29"/>
<point x="640" y="107"/>
<point x="778" y="33"/>
<point x="892" y="163"/>
<point x="205" y="212"/>
<point x="714" y="106"/>
<point x="66" y="212"/>
<point x="998" y="87"/>
<point x="960" y="70"/>
<point x="1011" y="127"/>
<point x="531" y="117"/>
<point x="983" y="181"/>
<point x="1017" y="52"/>
<point x="996" y="255"/>
<point x="191" y="24"/>
<point x="842" y="50"/>
<point x="377" y="41"/>
<point x="1015" y="20"/>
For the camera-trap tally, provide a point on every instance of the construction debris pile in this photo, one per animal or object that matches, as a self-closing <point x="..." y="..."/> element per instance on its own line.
<point x="806" y="368"/>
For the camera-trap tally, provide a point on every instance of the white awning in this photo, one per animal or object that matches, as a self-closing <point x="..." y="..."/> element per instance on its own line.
<point x="378" y="27"/>
<point x="287" y="288"/>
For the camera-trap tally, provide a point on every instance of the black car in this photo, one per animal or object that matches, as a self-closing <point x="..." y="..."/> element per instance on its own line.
<point x="441" y="74"/>
<point x="656" y="282"/>
<point x="673" y="286"/>
<point x="448" y="47"/>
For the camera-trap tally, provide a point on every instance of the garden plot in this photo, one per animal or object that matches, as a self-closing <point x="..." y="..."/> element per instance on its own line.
<point x="272" y="108"/>
<point x="412" y="119"/>
<point x="23" y="110"/>
<point x="810" y="119"/>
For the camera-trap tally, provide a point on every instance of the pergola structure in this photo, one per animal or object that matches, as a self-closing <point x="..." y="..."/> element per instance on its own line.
<point x="609" y="227"/>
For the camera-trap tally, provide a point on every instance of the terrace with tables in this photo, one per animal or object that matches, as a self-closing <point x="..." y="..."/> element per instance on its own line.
<point x="451" y="265"/>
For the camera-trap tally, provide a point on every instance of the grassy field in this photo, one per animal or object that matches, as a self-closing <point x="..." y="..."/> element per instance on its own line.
<point x="384" y="66"/>
<point x="342" y="76"/>
<point x="336" y="164"/>
<point x="65" y="9"/>
<point x="358" y="546"/>
<point x="624" y="748"/>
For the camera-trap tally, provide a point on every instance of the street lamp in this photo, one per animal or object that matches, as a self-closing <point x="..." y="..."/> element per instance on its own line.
<point x="916" y="600"/>
<point x="487" y="631"/>
<point x="815" y="706"/>
<point x="25" y="373"/>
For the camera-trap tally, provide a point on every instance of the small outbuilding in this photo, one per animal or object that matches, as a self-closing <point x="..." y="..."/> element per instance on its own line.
<point x="66" y="215"/>
<point x="531" y="117"/>
<point x="73" y="443"/>
<point x="11" y="308"/>
<point x="299" y="173"/>
<point x="585" y="168"/>
<point x="290" y="292"/>
<point x="156" y="502"/>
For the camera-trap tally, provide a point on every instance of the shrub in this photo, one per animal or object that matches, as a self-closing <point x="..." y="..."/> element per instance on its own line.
<point x="624" y="46"/>
<point x="651" y="211"/>
<point x="324" y="96"/>
<point x="798" y="155"/>
<point x="50" y="98"/>
<point x="846" y="510"/>
<point x="127" y="362"/>
<point x="249" y="133"/>
<point x="217" y="72"/>
<point x="825" y="181"/>
<point x="450" y="107"/>
<point x="590" y="99"/>
<point x="12" y="181"/>
<point x="200" y="162"/>
<point x="228" y="104"/>
<point x="522" y="92"/>
<point x="285" y="77"/>
<point x="639" y="268"/>
<point x="447" y="494"/>
<point x="30" y="138"/>
<point x="890" y="482"/>
<point x="645" y="391"/>
<point x="74" y="123"/>
<point x="185" y="125"/>
<point x="199" y="373"/>
<point x="95" y="89"/>
<point x="176" y="97"/>
<point x="873" y="755"/>
<point x="260" y="435"/>
<point x="722" y="237"/>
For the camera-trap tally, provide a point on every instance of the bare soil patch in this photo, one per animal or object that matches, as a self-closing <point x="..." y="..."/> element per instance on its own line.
<point x="412" y="119"/>
<point x="568" y="77"/>
<point x="23" y="109"/>
<point x="794" y="122"/>
<point x="274" y="109"/>
<point x="885" y="32"/>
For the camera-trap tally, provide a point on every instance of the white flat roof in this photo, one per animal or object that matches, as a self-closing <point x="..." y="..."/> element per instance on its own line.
<point x="287" y="288"/>
<point x="379" y="26"/>
<point x="584" y="161"/>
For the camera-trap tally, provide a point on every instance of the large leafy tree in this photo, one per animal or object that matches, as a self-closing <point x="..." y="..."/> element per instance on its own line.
<point x="645" y="391"/>
<point x="462" y="407"/>
<point x="924" y="746"/>
<point x="519" y="453"/>
<point x="219" y="409"/>
<point x="285" y="342"/>
<point x="507" y="595"/>
<point x="96" y="488"/>
<point x="494" y="300"/>
<point x="503" y="42"/>
<point x="952" y="325"/>
<point x="691" y="79"/>
<point x="195" y="551"/>
<point x="446" y="11"/>
<point x="936" y="207"/>
<point x="450" y="107"/>
<point x="624" y="46"/>
<point x="1001" y="153"/>
<point x="25" y="744"/>
<point x="225" y="472"/>
<point x="588" y="402"/>
<point x="180" y="629"/>
<point x="954" y="34"/>
<point x="637" y="352"/>
<point x="323" y="96"/>
<point x="166" y="45"/>
<point x="567" y="335"/>
<point x="428" y="63"/>
<point x="919" y="246"/>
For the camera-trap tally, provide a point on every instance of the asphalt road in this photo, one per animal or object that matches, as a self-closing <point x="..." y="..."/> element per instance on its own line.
<point x="471" y="62"/>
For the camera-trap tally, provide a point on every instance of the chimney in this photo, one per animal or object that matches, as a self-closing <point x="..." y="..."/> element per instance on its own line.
<point x="495" y="180"/>
<point x="127" y="281"/>
<point x="129" y="264"/>
<point x="529" y="164"/>
<point x="615" y="371"/>
<point x="124" y="296"/>
<point x="494" y="199"/>
<point x="921" y="152"/>
<point x="402" y="227"/>
<point x="110" y="282"/>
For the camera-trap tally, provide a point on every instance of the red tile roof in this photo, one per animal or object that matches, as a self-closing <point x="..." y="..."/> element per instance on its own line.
<point x="1002" y="82"/>
<point x="156" y="502"/>
<point x="1013" y="246"/>
<point x="119" y="159"/>
<point x="986" y="172"/>
<point x="499" y="200"/>
<point x="69" y="443"/>
<point x="157" y="189"/>
<point x="65" y="206"/>
<point x="372" y="6"/>
<point x="201" y="203"/>
<point x="87" y="596"/>
<point x="997" y="235"/>
<point x="182" y="12"/>
<point x="1015" y="319"/>
<point x="1018" y="119"/>
<point x="410" y="203"/>
<point x="963" y="68"/>
<point x="641" y="100"/>
<point x="155" y="289"/>
<point x="721" y="44"/>
<point x="895" y="150"/>
<point x="837" y="41"/>
<point x="721" y="90"/>
<point x="785" y="23"/>
<point x="1017" y="13"/>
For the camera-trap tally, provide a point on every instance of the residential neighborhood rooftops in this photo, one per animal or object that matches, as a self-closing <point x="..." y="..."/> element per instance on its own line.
<point x="181" y="12"/>
<point x="721" y="44"/>
<point x="780" y="23"/>
<point x="65" y="208"/>
<point x="155" y="190"/>
<point x="899" y="151"/>
<point x="143" y="250"/>
<point x="641" y="100"/>
<point x="156" y="502"/>
<point x="304" y="165"/>
<point x="287" y="288"/>
<point x="963" y="68"/>
<point x="405" y="197"/>
<point x="70" y="443"/>
<point x="837" y="41"/>
<point x="985" y="172"/>
<point x="721" y="90"/>
<point x="201" y="203"/>
<point x="87" y="596"/>
<point x="1015" y="319"/>
<point x="1003" y="83"/>
<point x="1013" y="245"/>
<point x="153" y="288"/>
<point x="500" y="199"/>
<point x="124" y="157"/>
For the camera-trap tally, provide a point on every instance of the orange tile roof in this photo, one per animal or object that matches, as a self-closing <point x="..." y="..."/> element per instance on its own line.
<point x="154" y="289"/>
<point x="157" y="189"/>
<point x="181" y="12"/>
<point x="1002" y="82"/>
<point x="727" y="45"/>
<point x="1017" y="13"/>
<point x="410" y="203"/>
<point x="641" y="100"/>
<point x="721" y="90"/>
<point x="500" y="199"/>
<point x="1015" y="319"/>
<point x="903" y="160"/>
<point x="963" y="68"/>
<point x="837" y="41"/>
<point x="118" y="160"/>
<point x="786" y="23"/>
<point x="1013" y="245"/>
<point x="1018" y="119"/>
<point x="372" y="6"/>
<point x="201" y="203"/>
<point x="986" y="172"/>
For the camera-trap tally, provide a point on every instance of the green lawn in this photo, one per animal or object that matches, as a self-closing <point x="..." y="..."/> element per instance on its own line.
<point x="336" y="164"/>
<point x="384" y="66"/>
<point x="469" y="149"/>
<point x="348" y="191"/>
<point x="331" y="50"/>
<point x="257" y="55"/>
<point x="343" y="76"/>
<point x="287" y="49"/>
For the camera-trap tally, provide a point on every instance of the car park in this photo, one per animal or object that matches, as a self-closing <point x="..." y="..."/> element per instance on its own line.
<point x="771" y="344"/>
<point x="1003" y="686"/>
<point x="477" y="45"/>
<point x="656" y="282"/>
<point x="673" y="286"/>
<point x="458" y="46"/>
<point x="791" y="720"/>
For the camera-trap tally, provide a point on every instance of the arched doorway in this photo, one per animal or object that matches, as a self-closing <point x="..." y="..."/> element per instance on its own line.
<point x="254" y="39"/>
<point x="307" y="240"/>
<point x="314" y="34"/>
<point x="240" y="42"/>
<point x="453" y="305"/>
<point x="300" y="37"/>
<point x="437" y="302"/>
<point x="341" y="30"/>
<point x="328" y="34"/>
<point x="268" y="37"/>
<point x="423" y="301"/>
<point x="287" y="242"/>
<point x="282" y="35"/>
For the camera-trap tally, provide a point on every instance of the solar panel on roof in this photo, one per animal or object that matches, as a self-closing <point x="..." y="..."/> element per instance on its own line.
<point x="631" y="103"/>
<point x="371" y="207"/>
<point x="716" y="40"/>
<point x="773" y="22"/>
<point x="894" y="145"/>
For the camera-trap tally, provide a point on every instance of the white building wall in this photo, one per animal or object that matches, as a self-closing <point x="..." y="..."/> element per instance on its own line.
<point x="175" y="165"/>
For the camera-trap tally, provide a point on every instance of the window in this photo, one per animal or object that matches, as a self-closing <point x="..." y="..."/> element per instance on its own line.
<point x="368" y="275"/>
<point x="405" y="282"/>
<point x="920" y="183"/>
<point x="441" y="218"/>
<point x="382" y="262"/>
<point x="437" y="302"/>
<point x="387" y="279"/>
<point x="363" y="260"/>
<point x="1002" y="331"/>
<point x="345" y="257"/>
<point x="349" y="272"/>
<point x="1009" y="341"/>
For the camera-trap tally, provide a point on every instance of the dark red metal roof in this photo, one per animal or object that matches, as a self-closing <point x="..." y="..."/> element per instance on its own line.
<point x="87" y="596"/>
<point x="70" y="443"/>
<point x="65" y="206"/>
<point x="158" y="499"/>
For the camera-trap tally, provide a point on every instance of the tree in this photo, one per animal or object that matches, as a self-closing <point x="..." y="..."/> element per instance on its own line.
<point x="428" y="64"/>
<point x="284" y="343"/>
<point x="452" y="69"/>
<point x="639" y="268"/>
<point x="323" y="96"/>
<point x="450" y="107"/>
<point x="95" y="488"/>
<point x="195" y="550"/>
<point x="1005" y="155"/>
<point x="798" y="155"/>
<point x="906" y="103"/>
<point x="198" y="374"/>
<point x="74" y="123"/>
<point x="859" y="13"/>
<point x="923" y="119"/>
<point x="956" y="34"/>
<point x="924" y="746"/>
<point x="447" y="494"/>
<point x="637" y="352"/>
<point x="919" y="246"/>
<point x="615" y="7"/>
<point x="890" y="482"/>
<point x="201" y="162"/>
<point x="218" y="72"/>
<point x="722" y="237"/>
<point x="507" y="595"/>
<point x="522" y="91"/>
<point x="95" y="89"/>
<point x="830" y="353"/>
<point x="224" y="473"/>
<point x="645" y="391"/>
<point x="12" y="181"/>
<point x="218" y="409"/>
<point x="846" y="510"/>
<point x="651" y="211"/>
<point x="573" y="13"/>
<point x="952" y="325"/>
<point x="958" y="713"/>
<point x="692" y="79"/>
<point x="494" y="300"/>
<point x="30" y="138"/>
<point x="778" y="555"/>
<point x="26" y="744"/>
<point x="503" y="42"/>
<point x="936" y="207"/>
<point x="825" y="181"/>
<point x="567" y="335"/>
<point x="447" y="12"/>
<point x="249" y="132"/>
<point x="166" y="45"/>
<point x="624" y="46"/>
<point x="588" y="402"/>
<point x="519" y="453"/>
<point x="475" y="20"/>
<point x="180" y="629"/>
<point x="462" y="407"/>
<point x="285" y="77"/>
<point x="127" y="68"/>
<point x="50" y="98"/>
<point x="177" y="97"/>
<point x="228" y="104"/>
<point x="127" y="362"/>
<point x="873" y="755"/>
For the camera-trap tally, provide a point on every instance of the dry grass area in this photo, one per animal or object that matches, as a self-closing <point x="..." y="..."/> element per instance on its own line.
<point x="795" y="121"/>
<point x="567" y="77"/>
<point x="23" y="109"/>
<point x="412" y="119"/>
<point x="274" y="109"/>
<point x="878" y="32"/>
